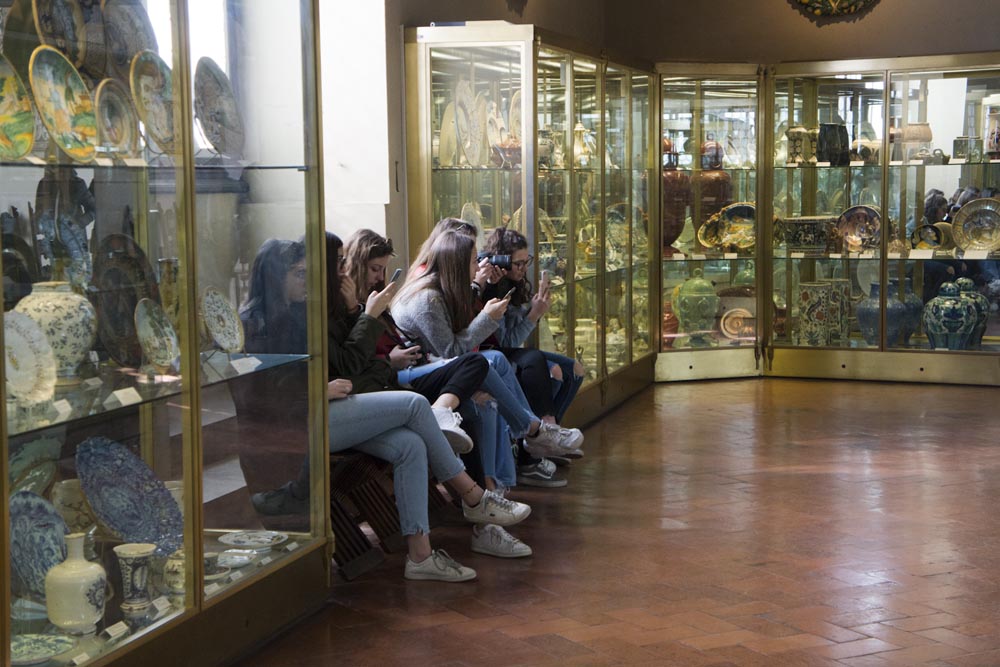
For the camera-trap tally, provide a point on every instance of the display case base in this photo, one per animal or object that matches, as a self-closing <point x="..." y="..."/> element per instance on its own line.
<point x="706" y="364"/>
<point x="933" y="367"/>
<point x="599" y="398"/>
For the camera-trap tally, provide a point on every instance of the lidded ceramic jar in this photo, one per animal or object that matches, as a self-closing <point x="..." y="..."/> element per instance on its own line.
<point x="712" y="153"/>
<point x="68" y="321"/>
<point x="676" y="196"/>
<point x="697" y="304"/>
<point x="949" y="319"/>
<point x="75" y="590"/>
<point x="967" y="289"/>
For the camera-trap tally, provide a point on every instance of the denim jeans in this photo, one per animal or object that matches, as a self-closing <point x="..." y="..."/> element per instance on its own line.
<point x="501" y="383"/>
<point x="564" y="391"/>
<point x="407" y="375"/>
<point x="489" y="430"/>
<point x="398" y="427"/>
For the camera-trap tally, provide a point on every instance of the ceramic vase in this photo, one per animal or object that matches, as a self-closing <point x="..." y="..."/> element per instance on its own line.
<point x="949" y="319"/>
<point x="812" y="147"/>
<point x="173" y="577"/>
<point x="867" y="312"/>
<point x="896" y="314"/>
<point x="68" y="321"/>
<point x="75" y="590"/>
<point x="914" y="307"/>
<point x="676" y="197"/>
<point x="798" y="139"/>
<point x="697" y="305"/>
<point x="840" y="310"/>
<point x="834" y="145"/>
<point x="133" y="560"/>
<point x="712" y="190"/>
<point x="814" y="314"/>
<point x="967" y="289"/>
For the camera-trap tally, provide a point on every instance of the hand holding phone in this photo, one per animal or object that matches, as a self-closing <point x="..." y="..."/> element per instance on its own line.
<point x="395" y="275"/>
<point x="509" y="294"/>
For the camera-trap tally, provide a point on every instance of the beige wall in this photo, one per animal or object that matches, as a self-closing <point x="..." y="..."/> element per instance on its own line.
<point x="770" y="31"/>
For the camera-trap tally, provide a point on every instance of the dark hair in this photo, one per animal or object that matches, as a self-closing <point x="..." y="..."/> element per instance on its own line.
<point x="447" y="272"/>
<point x="335" y="306"/>
<point x="505" y="241"/>
<point x="444" y="225"/>
<point x="274" y="325"/>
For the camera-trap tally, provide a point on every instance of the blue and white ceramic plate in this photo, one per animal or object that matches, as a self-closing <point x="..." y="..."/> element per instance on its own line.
<point x="127" y="496"/>
<point x="254" y="539"/>
<point x="36" y="649"/>
<point x="37" y="540"/>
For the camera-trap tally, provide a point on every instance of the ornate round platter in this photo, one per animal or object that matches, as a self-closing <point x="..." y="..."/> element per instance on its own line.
<point x="63" y="102"/>
<point x="152" y="92"/>
<point x="30" y="454"/>
<point x="29" y="365"/>
<point x="127" y="497"/>
<point x="60" y="24"/>
<point x="926" y="237"/>
<point x="32" y="649"/>
<point x="467" y="122"/>
<point x="514" y="115"/>
<point x="708" y="233"/>
<point x="737" y="225"/>
<point x="481" y="118"/>
<point x="127" y="31"/>
<point x="834" y="7"/>
<point x="96" y="57"/>
<point x="157" y="336"/>
<point x="221" y="320"/>
<point x="860" y="227"/>
<point x="117" y="122"/>
<point x="977" y="225"/>
<point x="37" y="540"/>
<point x="236" y="558"/>
<point x="736" y="323"/>
<point x="17" y="118"/>
<point x="448" y="141"/>
<point x="254" y="539"/>
<point x="122" y="277"/>
<point x="216" y="109"/>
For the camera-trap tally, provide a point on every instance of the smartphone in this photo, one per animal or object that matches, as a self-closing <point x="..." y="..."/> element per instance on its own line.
<point x="509" y="293"/>
<point x="395" y="275"/>
<point x="545" y="279"/>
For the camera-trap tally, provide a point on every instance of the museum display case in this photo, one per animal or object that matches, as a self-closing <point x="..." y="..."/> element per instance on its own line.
<point x="508" y="125"/>
<point x="163" y="329"/>
<point x="708" y="248"/>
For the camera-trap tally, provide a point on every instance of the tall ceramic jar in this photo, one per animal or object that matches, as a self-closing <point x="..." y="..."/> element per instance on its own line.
<point x="949" y="319"/>
<point x="697" y="305"/>
<point x="798" y="139"/>
<point x="914" y="308"/>
<point x="676" y="197"/>
<point x="133" y="561"/>
<point x="712" y="188"/>
<point x="75" y="590"/>
<point x="867" y="312"/>
<point x="68" y="321"/>
<point x="895" y="315"/>
<point x="968" y="290"/>
<point x="814" y="314"/>
<point x="840" y="310"/>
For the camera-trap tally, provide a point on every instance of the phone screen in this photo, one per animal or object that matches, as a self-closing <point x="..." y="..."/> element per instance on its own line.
<point x="510" y="293"/>
<point x="395" y="275"/>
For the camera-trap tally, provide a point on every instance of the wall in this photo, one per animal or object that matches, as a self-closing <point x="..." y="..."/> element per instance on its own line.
<point x="770" y="31"/>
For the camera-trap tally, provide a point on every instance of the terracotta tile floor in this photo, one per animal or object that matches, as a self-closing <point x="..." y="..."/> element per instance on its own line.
<point x="753" y="523"/>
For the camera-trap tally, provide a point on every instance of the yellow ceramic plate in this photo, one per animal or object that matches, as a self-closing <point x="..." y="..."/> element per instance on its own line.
<point x="117" y="123"/>
<point x="17" y="120"/>
<point x="63" y="103"/>
<point x="448" y="143"/>
<point x="153" y="94"/>
<point x="977" y="225"/>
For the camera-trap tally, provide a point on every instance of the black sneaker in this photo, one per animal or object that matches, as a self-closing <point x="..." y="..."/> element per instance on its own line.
<point x="541" y="474"/>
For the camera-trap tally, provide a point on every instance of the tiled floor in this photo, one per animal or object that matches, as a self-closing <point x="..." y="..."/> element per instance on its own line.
<point x="751" y="523"/>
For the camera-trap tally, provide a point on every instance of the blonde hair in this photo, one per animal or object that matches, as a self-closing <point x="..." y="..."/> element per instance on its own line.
<point x="361" y="247"/>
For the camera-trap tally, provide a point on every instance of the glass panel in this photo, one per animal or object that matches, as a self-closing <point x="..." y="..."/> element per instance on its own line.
<point x="943" y="171"/>
<point x="708" y="213"/>
<point x="618" y="216"/>
<point x="827" y="201"/>
<point x="476" y="123"/>
<point x="586" y="192"/>
<point x="643" y="184"/>
<point x="252" y="279"/>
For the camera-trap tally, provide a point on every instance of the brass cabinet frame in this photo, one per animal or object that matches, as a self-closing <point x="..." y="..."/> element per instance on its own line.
<point x="208" y="632"/>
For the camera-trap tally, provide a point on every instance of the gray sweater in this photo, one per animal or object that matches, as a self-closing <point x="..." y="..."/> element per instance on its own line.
<point x="424" y="315"/>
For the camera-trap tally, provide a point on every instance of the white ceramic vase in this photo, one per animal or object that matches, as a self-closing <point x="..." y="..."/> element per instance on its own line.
<point x="68" y="321"/>
<point x="75" y="590"/>
<point x="133" y="560"/>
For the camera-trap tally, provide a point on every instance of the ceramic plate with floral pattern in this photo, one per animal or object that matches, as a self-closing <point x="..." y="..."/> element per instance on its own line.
<point x="254" y="539"/>
<point x="17" y="118"/>
<point x="60" y="24"/>
<point x="127" y="31"/>
<point x="153" y="94"/>
<point x="63" y="103"/>
<point x="29" y="364"/>
<point x="37" y="540"/>
<point x="221" y="321"/>
<point x="127" y="496"/>
<point x="157" y="336"/>
<point x="117" y="122"/>
<point x="860" y="227"/>
<point x="32" y="649"/>
<point x="215" y="108"/>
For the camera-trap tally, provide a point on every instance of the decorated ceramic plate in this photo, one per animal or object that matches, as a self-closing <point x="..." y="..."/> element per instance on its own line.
<point x="37" y="479"/>
<point x="60" y="24"/>
<point x="71" y="247"/>
<point x="860" y="227"/>
<point x="95" y="59"/>
<point x="737" y="323"/>
<point x="514" y="115"/>
<point x="221" y="320"/>
<point x="152" y="92"/>
<point x="122" y="277"/>
<point x="448" y="142"/>
<point x="977" y="225"/>
<point x="157" y="336"/>
<point x="29" y="364"/>
<point x="467" y="121"/>
<point x="117" y="122"/>
<point x="482" y="113"/>
<point x="236" y="558"/>
<point x="127" y="496"/>
<point x="34" y="649"/>
<point x="708" y="233"/>
<point x="37" y="540"/>
<point x="213" y="568"/>
<point x="737" y="225"/>
<point x="869" y="271"/>
<point x="254" y="539"/>
<point x="17" y="118"/>
<point x="29" y="454"/>
<point x="127" y="31"/>
<point x="216" y="109"/>
<point x="63" y="103"/>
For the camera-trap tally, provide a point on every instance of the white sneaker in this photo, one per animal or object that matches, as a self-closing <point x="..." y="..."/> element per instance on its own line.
<point x="493" y="540"/>
<point x="450" y="422"/>
<point x="494" y="508"/>
<point x="553" y="440"/>
<point x="439" y="566"/>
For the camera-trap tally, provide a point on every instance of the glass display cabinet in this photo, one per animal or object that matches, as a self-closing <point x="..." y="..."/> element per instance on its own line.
<point x="510" y="126"/>
<point x="709" y="224"/>
<point x="163" y="330"/>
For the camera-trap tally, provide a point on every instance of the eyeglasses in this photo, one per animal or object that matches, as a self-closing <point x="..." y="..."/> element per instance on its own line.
<point x="524" y="263"/>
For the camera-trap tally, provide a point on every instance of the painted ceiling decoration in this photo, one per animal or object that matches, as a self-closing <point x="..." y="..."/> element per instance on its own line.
<point x="828" y="8"/>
